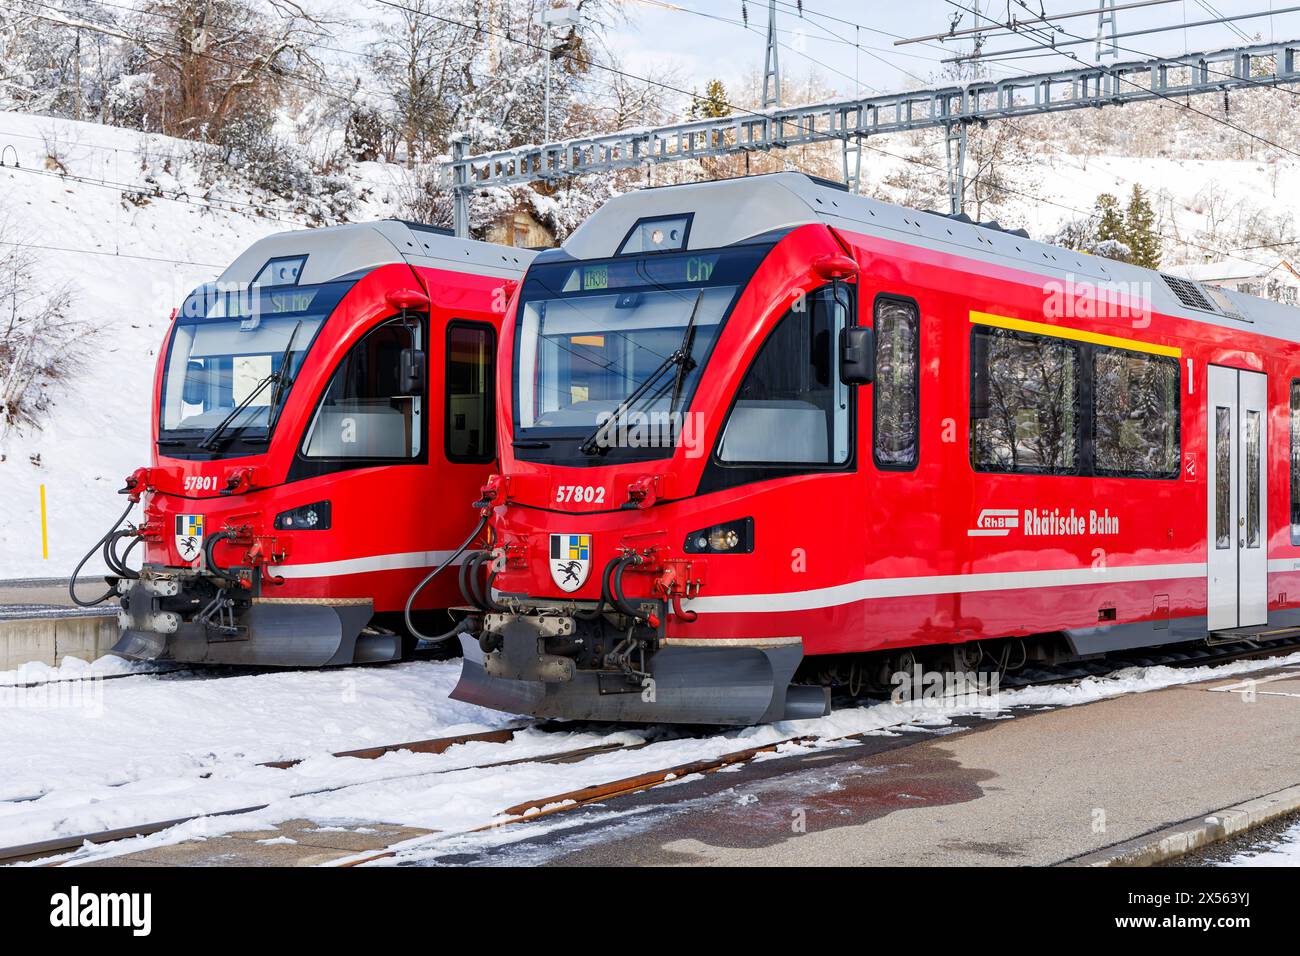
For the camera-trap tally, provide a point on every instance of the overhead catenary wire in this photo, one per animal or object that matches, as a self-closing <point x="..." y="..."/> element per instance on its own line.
<point x="737" y="108"/>
<point x="1165" y="96"/>
<point x="753" y="112"/>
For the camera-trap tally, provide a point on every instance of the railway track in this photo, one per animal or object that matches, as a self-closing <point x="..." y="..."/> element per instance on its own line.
<point x="538" y="808"/>
<point x="436" y="745"/>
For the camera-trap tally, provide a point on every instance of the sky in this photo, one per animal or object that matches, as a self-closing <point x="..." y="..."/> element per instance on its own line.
<point x="851" y="45"/>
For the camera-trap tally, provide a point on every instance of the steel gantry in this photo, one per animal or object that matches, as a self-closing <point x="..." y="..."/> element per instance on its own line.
<point x="950" y="108"/>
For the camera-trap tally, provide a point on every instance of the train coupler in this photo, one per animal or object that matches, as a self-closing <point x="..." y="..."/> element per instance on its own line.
<point x="186" y="615"/>
<point x="565" y="661"/>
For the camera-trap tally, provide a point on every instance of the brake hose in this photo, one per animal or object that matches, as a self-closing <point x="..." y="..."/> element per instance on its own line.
<point x="72" y="582"/>
<point x="464" y="624"/>
<point x="467" y="592"/>
<point x="117" y="562"/>
<point x="483" y="596"/>
<point x="471" y="567"/>
<point x="605" y="599"/>
<point x="208" y="547"/>
<point x="616" y="584"/>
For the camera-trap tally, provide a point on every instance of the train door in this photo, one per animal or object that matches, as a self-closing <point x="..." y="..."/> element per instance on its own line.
<point x="1237" y="519"/>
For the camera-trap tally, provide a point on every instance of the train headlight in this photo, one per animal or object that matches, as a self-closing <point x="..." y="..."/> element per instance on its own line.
<point x="656" y="234"/>
<point x="312" y="517"/>
<point x="733" y="537"/>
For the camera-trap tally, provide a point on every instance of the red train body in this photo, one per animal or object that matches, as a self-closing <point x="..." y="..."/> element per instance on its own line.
<point x="323" y="413"/>
<point x="1056" y="455"/>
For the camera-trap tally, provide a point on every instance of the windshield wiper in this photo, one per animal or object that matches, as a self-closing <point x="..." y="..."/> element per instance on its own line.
<point x="210" y="439"/>
<point x="595" y="443"/>
<point x="278" y="377"/>
<point x="283" y="382"/>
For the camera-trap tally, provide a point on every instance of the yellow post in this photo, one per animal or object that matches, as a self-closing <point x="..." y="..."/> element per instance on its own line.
<point x="45" y="534"/>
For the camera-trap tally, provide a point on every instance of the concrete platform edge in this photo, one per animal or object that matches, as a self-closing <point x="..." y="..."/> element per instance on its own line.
<point x="1178" y="840"/>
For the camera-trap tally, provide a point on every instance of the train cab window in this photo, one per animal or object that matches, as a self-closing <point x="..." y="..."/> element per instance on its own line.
<point x="895" y="395"/>
<point x="471" y="356"/>
<point x="792" y="407"/>
<point x="1295" y="461"/>
<point x="1135" y="414"/>
<point x="363" y="413"/>
<point x="1024" y="402"/>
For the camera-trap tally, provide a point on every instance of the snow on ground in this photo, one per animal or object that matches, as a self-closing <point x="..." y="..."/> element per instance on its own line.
<point x="83" y="736"/>
<point x="158" y="748"/>
<point x="75" y="669"/>
<point x="1283" y="851"/>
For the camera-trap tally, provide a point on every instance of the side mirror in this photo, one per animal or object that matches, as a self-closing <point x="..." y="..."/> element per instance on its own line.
<point x="857" y="355"/>
<point x="195" y="390"/>
<point x="410" y="375"/>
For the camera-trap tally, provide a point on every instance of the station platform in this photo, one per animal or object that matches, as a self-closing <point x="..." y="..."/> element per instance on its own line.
<point x="39" y="623"/>
<point x="1094" y="784"/>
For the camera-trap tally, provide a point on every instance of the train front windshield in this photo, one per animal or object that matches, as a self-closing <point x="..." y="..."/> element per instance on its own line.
<point x="232" y="361"/>
<point x="592" y="336"/>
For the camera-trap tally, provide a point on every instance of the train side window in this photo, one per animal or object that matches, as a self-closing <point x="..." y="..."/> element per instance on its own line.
<point x="470" y="415"/>
<point x="1295" y="461"/>
<point x="1135" y="424"/>
<point x="363" y="413"/>
<point x="895" y="392"/>
<point x="1024" y="402"/>
<point x="792" y="407"/>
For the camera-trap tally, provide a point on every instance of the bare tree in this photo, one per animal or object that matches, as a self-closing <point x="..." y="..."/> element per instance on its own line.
<point x="41" y="338"/>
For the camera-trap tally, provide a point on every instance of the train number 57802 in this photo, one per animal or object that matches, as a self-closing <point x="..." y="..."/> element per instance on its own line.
<point x="584" y="494"/>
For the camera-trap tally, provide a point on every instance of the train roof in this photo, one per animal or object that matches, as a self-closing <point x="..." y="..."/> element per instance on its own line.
<point x="334" y="252"/>
<point x="730" y="211"/>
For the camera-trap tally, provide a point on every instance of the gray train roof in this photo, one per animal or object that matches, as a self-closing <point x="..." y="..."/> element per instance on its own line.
<point x="336" y="251"/>
<point x="734" y="210"/>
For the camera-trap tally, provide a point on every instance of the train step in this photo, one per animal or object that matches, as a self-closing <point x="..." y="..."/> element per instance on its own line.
<point x="1263" y="632"/>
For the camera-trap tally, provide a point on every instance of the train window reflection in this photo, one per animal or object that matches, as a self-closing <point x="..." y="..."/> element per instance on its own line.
<point x="792" y="406"/>
<point x="895" y="392"/>
<point x="363" y="413"/>
<point x="1222" y="478"/>
<point x="1295" y="461"/>
<point x="1252" y="479"/>
<point x="1024" y="402"/>
<point x="1135" y="414"/>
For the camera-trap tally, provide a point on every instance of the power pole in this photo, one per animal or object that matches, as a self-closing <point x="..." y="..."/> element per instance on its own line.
<point x="771" y="62"/>
<point x="955" y="145"/>
<point x="549" y="18"/>
<point x="1106" y="18"/>
<point x="852" y="154"/>
<point x="460" y="190"/>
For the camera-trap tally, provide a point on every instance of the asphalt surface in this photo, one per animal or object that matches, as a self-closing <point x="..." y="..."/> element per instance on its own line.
<point x="1043" y="787"/>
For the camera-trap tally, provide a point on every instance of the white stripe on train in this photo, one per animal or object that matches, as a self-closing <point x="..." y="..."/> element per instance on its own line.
<point x="379" y="562"/>
<point x="832" y="596"/>
<point x="941" y="584"/>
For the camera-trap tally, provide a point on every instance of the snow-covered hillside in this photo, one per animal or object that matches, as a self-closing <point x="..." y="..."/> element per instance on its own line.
<point x="130" y="259"/>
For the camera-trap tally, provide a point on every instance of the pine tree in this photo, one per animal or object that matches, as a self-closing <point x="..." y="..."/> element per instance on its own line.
<point x="712" y="104"/>
<point x="1110" y="221"/>
<point x="1140" y="229"/>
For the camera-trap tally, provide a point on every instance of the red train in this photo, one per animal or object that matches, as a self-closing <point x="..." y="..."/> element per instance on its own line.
<point x="317" y="408"/>
<point x="761" y="436"/>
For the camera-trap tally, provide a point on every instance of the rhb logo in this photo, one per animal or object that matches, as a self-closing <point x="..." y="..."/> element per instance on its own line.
<point x="570" y="560"/>
<point x="994" y="523"/>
